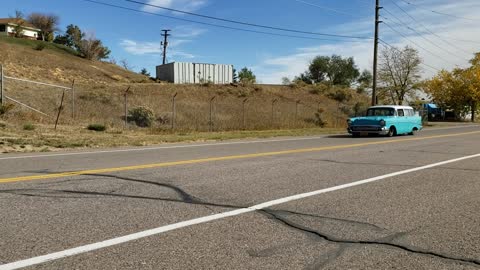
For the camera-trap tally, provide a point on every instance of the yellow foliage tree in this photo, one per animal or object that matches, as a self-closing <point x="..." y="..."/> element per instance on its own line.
<point x="458" y="90"/>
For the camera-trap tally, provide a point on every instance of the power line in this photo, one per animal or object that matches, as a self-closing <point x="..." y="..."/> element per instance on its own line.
<point x="326" y="8"/>
<point x="438" y="12"/>
<point x="428" y="30"/>
<point x="217" y="25"/>
<point x="393" y="47"/>
<point x="403" y="24"/>
<point x="416" y="44"/>
<point x="247" y="23"/>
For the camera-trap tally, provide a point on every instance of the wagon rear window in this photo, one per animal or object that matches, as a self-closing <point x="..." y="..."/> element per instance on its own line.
<point x="381" y="112"/>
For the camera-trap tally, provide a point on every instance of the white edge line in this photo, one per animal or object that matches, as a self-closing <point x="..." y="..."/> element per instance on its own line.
<point x="187" y="223"/>
<point x="199" y="145"/>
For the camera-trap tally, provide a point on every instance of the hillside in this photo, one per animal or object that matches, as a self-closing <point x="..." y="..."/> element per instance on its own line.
<point x="99" y="99"/>
<point x="57" y="63"/>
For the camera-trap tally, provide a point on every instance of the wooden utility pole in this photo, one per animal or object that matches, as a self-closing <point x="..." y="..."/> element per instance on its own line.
<point x="164" y="43"/>
<point x="375" y="52"/>
<point x="2" y="100"/>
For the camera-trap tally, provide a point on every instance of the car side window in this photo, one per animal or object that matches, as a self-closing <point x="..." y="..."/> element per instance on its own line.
<point x="400" y="112"/>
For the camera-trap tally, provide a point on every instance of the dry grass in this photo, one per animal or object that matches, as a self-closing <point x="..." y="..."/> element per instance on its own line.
<point x="57" y="64"/>
<point x="45" y="139"/>
<point x="99" y="99"/>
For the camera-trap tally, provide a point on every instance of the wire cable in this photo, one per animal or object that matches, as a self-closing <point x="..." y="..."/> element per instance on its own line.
<point x="416" y="44"/>
<point x="246" y="23"/>
<point x="428" y="30"/>
<point x="326" y="8"/>
<point x="395" y="48"/>
<point x="403" y="24"/>
<point x="439" y="13"/>
<point x="217" y="25"/>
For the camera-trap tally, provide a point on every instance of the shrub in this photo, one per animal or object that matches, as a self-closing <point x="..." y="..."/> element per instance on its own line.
<point x="28" y="126"/>
<point x="142" y="116"/>
<point x="97" y="127"/>
<point x="317" y="119"/>
<point x="40" y="47"/>
<point x="4" y="109"/>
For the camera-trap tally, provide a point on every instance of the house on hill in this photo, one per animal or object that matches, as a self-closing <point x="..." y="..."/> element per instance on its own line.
<point x="7" y="28"/>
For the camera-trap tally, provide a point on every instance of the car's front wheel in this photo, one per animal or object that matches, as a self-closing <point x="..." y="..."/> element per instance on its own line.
<point x="392" y="132"/>
<point x="414" y="131"/>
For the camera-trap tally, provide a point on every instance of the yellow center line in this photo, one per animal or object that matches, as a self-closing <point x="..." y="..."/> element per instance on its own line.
<point x="204" y="160"/>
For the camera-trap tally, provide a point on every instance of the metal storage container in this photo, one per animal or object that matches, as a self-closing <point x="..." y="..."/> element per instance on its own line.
<point x="192" y="73"/>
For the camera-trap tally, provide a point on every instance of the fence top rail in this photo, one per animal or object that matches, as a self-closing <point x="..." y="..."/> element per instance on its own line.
<point x="35" y="82"/>
<point x="25" y="105"/>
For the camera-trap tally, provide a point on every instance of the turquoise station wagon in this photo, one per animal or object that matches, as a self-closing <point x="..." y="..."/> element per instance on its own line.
<point x="386" y="120"/>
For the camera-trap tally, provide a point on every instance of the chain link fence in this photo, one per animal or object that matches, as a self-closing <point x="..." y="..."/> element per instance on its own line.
<point x="188" y="110"/>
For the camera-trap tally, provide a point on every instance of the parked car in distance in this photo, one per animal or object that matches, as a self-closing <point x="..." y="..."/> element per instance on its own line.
<point x="388" y="120"/>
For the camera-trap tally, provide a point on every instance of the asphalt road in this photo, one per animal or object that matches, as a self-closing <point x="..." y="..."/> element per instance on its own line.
<point x="330" y="202"/>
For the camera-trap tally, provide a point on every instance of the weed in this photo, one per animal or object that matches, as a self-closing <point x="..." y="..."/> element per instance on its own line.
<point x="97" y="127"/>
<point x="142" y="116"/>
<point x="28" y="126"/>
<point x="40" y="47"/>
<point x="4" y="109"/>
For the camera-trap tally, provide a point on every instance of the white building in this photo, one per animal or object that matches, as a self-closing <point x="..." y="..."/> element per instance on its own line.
<point x="7" y="27"/>
<point x="195" y="73"/>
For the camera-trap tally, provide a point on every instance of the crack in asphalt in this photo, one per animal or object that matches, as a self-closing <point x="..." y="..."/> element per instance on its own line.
<point x="350" y="221"/>
<point x="380" y="242"/>
<point x="187" y="198"/>
<point x="24" y="192"/>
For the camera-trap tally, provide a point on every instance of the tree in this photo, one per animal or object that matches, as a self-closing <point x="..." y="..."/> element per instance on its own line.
<point x="235" y="76"/>
<point x="399" y="73"/>
<point x="246" y="76"/>
<point x="145" y="72"/>
<point x="124" y="63"/>
<point x="458" y="90"/>
<point x="332" y="69"/>
<point x="93" y="49"/>
<point x="286" y="81"/>
<point x="47" y="23"/>
<point x="364" y="81"/>
<point x="19" y="21"/>
<point x="72" y="38"/>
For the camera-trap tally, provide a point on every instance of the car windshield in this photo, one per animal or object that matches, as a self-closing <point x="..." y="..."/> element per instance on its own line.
<point x="381" y="112"/>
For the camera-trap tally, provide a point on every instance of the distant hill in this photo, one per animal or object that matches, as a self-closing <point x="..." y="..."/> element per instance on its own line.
<point x="57" y="63"/>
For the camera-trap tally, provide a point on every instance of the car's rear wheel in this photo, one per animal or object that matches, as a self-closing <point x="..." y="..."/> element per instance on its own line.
<point x="414" y="131"/>
<point x="355" y="134"/>
<point x="392" y="132"/>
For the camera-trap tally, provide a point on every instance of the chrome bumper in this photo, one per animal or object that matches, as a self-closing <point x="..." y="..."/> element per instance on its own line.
<point x="368" y="130"/>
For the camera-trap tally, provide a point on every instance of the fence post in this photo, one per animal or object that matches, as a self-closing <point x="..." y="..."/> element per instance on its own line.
<point x="211" y="114"/>
<point x="2" y="100"/>
<point x="126" y="107"/>
<point x="244" y="119"/>
<point x="296" y="111"/>
<point x="273" y="111"/>
<point x="174" y="110"/>
<point x="73" y="99"/>
<point x="60" y="109"/>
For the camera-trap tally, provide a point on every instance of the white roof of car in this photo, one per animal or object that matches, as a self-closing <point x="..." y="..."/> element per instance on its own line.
<point x="392" y="106"/>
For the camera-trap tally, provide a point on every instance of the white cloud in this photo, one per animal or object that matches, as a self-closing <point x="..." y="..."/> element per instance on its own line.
<point x="185" y="5"/>
<point x="180" y="35"/>
<point x="452" y="54"/>
<point x="139" y="48"/>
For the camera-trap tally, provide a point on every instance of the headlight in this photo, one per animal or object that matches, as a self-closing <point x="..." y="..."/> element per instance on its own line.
<point x="383" y="123"/>
<point x="349" y="122"/>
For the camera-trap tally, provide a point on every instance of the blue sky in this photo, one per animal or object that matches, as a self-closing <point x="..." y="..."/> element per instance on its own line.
<point x="135" y="37"/>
